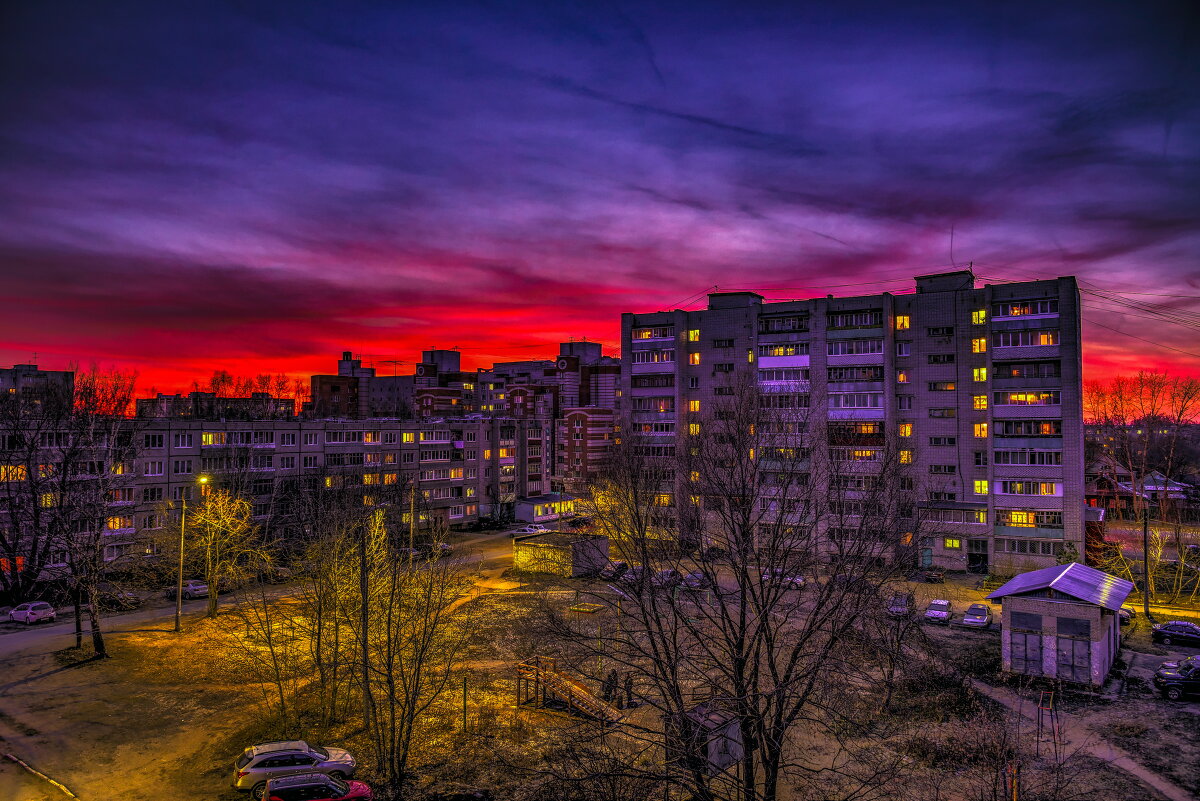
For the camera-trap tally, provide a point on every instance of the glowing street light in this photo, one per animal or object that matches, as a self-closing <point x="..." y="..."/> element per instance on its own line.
<point x="179" y="586"/>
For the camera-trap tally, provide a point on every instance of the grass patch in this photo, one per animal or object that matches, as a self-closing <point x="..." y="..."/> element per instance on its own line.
<point x="1126" y="728"/>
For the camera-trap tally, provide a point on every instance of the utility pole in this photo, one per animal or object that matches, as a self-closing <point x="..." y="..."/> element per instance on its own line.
<point x="179" y="584"/>
<point x="1146" y="558"/>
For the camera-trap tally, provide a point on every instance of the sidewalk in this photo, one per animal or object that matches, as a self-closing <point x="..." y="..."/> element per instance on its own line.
<point x="1076" y="734"/>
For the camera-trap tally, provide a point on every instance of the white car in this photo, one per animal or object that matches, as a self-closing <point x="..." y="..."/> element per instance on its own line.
<point x="532" y="528"/>
<point x="32" y="613"/>
<point x="939" y="611"/>
<point x="781" y="577"/>
<point x="978" y="616"/>
<point x="191" y="589"/>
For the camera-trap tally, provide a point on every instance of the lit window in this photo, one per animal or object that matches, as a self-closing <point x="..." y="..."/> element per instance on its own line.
<point x="979" y="374"/>
<point x="981" y="431"/>
<point x="903" y="322"/>
<point x="906" y="457"/>
<point x="408" y="436"/>
<point x="979" y="401"/>
<point x="951" y="543"/>
<point x="693" y="358"/>
<point x="695" y="475"/>
<point x="750" y="356"/>
<point x="694" y="429"/>
<point x="979" y="345"/>
<point x="694" y="335"/>
<point x="901" y="376"/>
<point x="981" y="487"/>
<point x="906" y="429"/>
<point x="979" y="317"/>
<point x="752" y="454"/>
<point x="693" y="406"/>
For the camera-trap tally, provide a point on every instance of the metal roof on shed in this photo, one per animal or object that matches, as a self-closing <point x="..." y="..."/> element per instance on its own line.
<point x="1073" y="579"/>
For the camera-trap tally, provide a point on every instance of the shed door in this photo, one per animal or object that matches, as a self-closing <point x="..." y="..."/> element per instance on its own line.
<point x="1027" y="653"/>
<point x="1074" y="660"/>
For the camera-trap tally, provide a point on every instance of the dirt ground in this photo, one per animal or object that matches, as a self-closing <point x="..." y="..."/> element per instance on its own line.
<point x="164" y="718"/>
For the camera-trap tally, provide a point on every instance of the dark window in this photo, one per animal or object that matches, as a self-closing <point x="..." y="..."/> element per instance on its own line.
<point x="1074" y="627"/>
<point x="941" y="331"/>
<point x="1026" y="621"/>
<point x="722" y="343"/>
<point x="941" y="358"/>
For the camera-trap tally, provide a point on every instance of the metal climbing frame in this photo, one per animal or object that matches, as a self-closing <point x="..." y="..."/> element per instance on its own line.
<point x="539" y="680"/>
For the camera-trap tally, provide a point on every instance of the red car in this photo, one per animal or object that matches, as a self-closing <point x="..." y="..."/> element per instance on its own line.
<point x="316" y="787"/>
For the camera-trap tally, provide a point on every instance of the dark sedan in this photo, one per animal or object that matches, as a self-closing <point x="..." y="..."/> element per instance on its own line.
<point x="1175" y="681"/>
<point x="1177" y="632"/>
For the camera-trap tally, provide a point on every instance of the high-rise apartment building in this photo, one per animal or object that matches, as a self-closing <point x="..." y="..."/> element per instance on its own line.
<point x="979" y="388"/>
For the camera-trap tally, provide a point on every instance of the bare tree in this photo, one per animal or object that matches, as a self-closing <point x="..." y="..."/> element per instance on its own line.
<point x="1140" y="425"/>
<point x="225" y="542"/>
<point x="32" y="424"/>
<point x="802" y="524"/>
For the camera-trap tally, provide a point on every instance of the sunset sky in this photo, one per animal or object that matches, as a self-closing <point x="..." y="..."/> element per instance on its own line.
<point x="187" y="186"/>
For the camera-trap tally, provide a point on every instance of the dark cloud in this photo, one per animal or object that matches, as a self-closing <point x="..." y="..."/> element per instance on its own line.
<point x="276" y="180"/>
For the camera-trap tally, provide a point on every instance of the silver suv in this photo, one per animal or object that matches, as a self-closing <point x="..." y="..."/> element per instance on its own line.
<point x="285" y="758"/>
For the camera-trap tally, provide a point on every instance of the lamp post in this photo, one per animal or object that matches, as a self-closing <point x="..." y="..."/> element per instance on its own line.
<point x="179" y="584"/>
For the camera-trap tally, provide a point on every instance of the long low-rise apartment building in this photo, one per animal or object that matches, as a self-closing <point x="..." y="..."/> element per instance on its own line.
<point x="451" y="472"/>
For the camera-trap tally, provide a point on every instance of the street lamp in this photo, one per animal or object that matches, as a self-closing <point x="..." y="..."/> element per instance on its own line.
<point x="179" y="586"/>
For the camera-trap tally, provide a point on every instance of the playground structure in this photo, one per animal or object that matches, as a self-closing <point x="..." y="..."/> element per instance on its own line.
<point x="539" y="682"/>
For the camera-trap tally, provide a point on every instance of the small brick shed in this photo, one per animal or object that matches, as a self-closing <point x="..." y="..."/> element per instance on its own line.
<point x="1062" y="622"/>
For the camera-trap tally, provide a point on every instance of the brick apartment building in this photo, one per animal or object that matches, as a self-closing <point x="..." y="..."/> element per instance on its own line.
<point x="459" y="469"/>
<point x="979" y="387"/>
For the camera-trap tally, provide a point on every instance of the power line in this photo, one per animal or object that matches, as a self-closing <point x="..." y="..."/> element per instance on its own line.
<point x="1143" y="339"/>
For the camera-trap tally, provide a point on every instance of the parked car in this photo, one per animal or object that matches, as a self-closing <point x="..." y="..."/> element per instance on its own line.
<point x="901" y="605"/>
<point x="939" y="611"/>
<point x="933" y="576"/>
<point x="977" y="616"/>
<point x="1126" y="614"/>
<point x="1187" y="660"/>
<point x="711" y="554"/>
<point x="696" y="580"/>
<point x="274" y="575"/>
<point x="613" y="569"/>
<point x="780" y="576"/>
<point x="192" y="588"/>
<point x="633" y="575"/>
<point x="113" y="597"/>
<point x="1176" y="632"/>
<point x="316" y="787"/>
<point x="33" y="612"/>
<point x="265" y="761"/>
<point x="1175" y="680"/>
<point x="436" y="550"/>
<point x="666" y="578"/>
<point x="532" y="528"/>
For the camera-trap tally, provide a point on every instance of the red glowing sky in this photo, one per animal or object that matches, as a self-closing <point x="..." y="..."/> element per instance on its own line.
<point x="258" y="191"/>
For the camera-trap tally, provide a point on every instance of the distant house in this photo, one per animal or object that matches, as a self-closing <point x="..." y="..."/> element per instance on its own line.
<point x="560" y="554"/>
<point x="1062" y="622"/>
<point x="1114" y="489"/>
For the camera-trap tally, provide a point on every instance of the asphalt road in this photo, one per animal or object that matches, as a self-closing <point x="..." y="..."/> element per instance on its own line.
<point x="488" y="549"/>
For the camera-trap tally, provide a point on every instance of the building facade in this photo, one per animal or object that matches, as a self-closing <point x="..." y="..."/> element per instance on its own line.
<point x="979" y="387"/>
